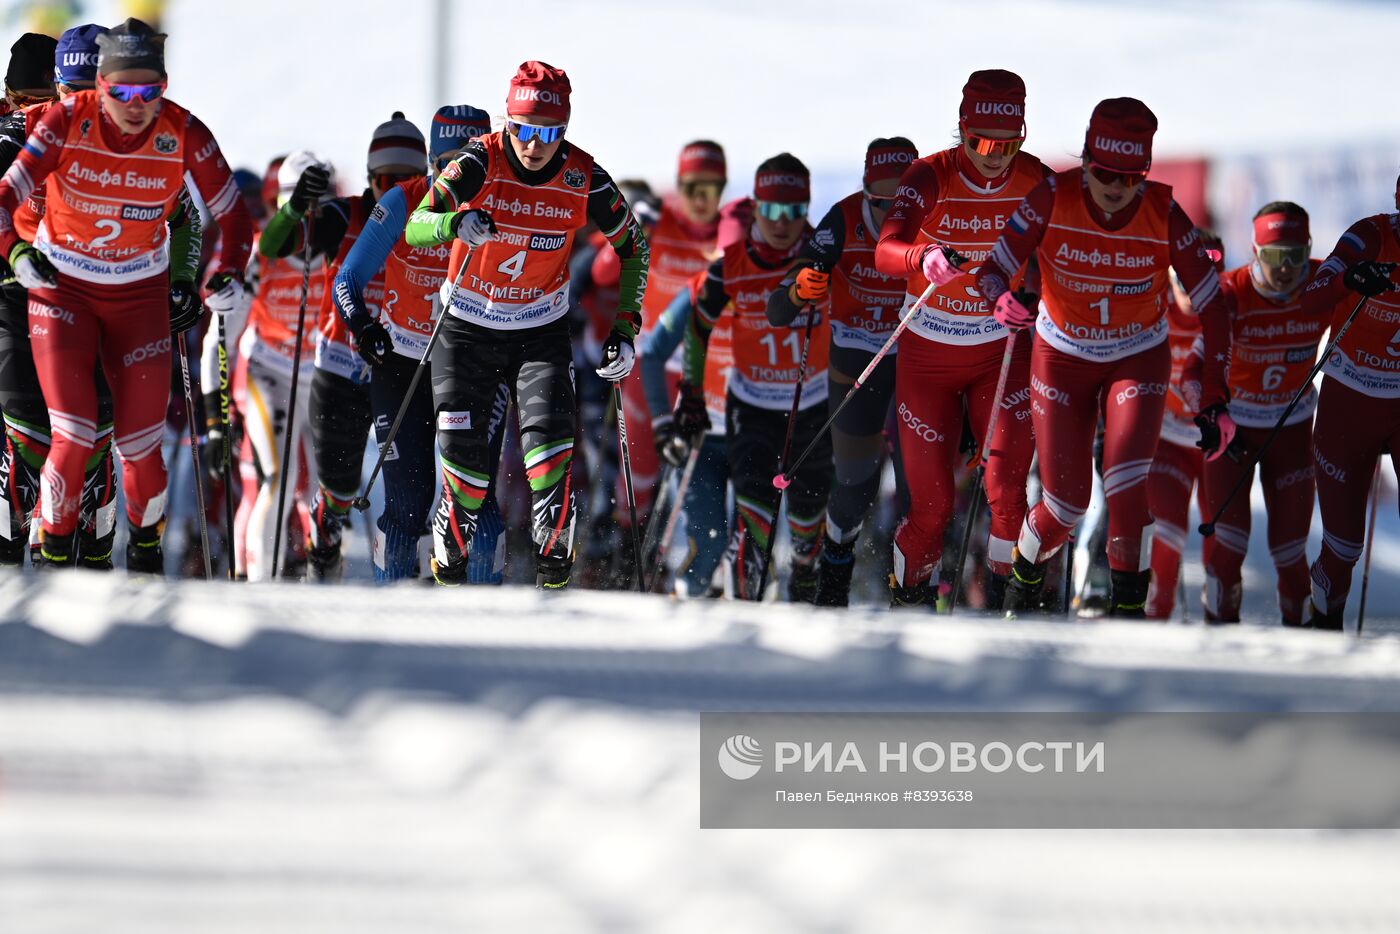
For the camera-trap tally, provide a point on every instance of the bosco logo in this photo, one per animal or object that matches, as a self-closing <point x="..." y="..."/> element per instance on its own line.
<point x="921" y="428"/>
<point x="146" y="352"/>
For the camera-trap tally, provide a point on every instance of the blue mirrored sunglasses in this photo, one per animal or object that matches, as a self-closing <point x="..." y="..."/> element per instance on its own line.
<point x="782" y="210"/>
<point x="526" y="132"/>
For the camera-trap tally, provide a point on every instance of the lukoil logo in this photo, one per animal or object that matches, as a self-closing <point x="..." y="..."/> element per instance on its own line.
<point x="740" y="757"/>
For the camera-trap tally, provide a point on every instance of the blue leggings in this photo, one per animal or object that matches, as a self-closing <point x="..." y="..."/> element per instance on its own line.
<point x="410" y="483"/>
<point x="707" y="518"/>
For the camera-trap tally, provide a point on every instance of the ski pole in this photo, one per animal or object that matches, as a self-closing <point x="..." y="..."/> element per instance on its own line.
<point x="674" y="517"/>
<point x="224" y="408"/>
<point x="1247" y="474"/>
<point x="626" y="460"/>
<point x="983" y="456"/>
<point x="1370" y="537"/>
<point x="783" y="479"/>
<point x="184" y="351"/>
<point x="362" y="501"/>
<point x="292" y="396"/>
<point x="658" y="506"/>
<point x="787" y="449"/>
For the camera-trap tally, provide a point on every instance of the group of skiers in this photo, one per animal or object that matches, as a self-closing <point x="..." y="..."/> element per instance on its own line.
<point x="493" y="303"/>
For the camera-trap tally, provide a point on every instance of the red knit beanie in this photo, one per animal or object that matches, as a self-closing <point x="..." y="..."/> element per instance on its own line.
<point x="539" y="90"/>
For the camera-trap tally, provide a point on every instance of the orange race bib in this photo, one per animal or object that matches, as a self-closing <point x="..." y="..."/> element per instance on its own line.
<point x="767" y="359"/>
<point x="969" y="219"/>
<point x="676" y="258"/>
<point x="1104" y="294"/>
<point x="1367" y="358"/>
<point x="865" y="303"/>
<point x="521" y="278"/>
<point x="105" y="213"/>
<point x="1272" y="350"/>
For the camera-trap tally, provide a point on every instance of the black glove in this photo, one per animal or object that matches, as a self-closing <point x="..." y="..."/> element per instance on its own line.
<point x="215" y="437"/>
<point x="1217" y="428"/>
<point x="315" y="181"/>
<point x="373" y="343"/>
<point x="692" y="419"/>
<point x="671" y="447"/>
<point x="1369" y="278"/>
<point x="185" y="307"/>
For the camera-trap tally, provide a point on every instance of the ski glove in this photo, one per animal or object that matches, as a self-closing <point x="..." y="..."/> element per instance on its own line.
<point x="1014" y="310"/>
<point x="315" y="181"/>
<point x="618" y="357"/>
<point x="937" y="265"/>
<point x="1217" y="433"/>
<point x="1368" y="277"/>
<point x="185" y="308"/>
<point x="670" y="446"/>
<point x="473" y="227"/>
<point x="812" y="285"/>
<point x="224" y="293"/>
<point x="215" y="438"/>
<point x="373" y="343"/>
<point x="692" y="419"/>
<point x="32" y="268"/>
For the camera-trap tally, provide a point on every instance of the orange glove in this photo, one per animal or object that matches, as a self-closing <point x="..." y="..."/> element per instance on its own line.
<point x="812" y="285"/>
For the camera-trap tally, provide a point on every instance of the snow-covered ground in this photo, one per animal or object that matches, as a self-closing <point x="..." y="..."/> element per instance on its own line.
<point x="221" y="758"/>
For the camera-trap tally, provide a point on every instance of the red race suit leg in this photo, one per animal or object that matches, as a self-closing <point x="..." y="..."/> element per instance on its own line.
<point x="128" y="325"/>
<point x="1351" y="430"/>
<point x="1066" y="395"/>
<point x="1176" y="470"/>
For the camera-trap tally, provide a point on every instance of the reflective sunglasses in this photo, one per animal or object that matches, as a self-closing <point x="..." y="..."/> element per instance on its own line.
<point x="1293" y="254"/>
<point x="21" y="99"/>
<point x="125" y="93"/>
<point x="879" y="202"/>
<point x="1109" y="176"/>
<point x="695" y="189"/>
<point x="388" y="180"/>
<point x="986" y="146"/>
<point x="528" y="131"/>
<point x="782" y="210"/>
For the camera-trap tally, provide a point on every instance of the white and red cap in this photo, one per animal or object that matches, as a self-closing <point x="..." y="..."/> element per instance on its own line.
<point x="885" y="160"/>
<point x="1120" y="135"/>
<point x="1281" y="227"/>
<point x="784" y="186"/>
<point x="994" y="99"/>
<point x="702" y="156"/>
<point x="397" y="141"/>
<point x="538" y="90"/>
<point x="297" y="162"/>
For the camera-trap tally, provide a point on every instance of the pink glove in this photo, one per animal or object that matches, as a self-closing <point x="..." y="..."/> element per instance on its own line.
<point x="1217" y="432"/>
<point x="936" y="267"/>
<point x="1011" y="314"/>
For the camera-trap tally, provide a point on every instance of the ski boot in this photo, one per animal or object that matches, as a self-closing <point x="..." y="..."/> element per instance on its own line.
<point x="834" y="573"/>
<point x="55" y="552"/>
<point x="1023" y="586"/>
<point x="1330" y="621"/>
<point x="995" y="591"/>
<point x="552" y="572"/>
<point x="921" y="594"/>
<point x="323" y="537"/>
<point x="1129" y="594"/>
<point x="803" y="583"/>
<point x="143" y="551"/>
